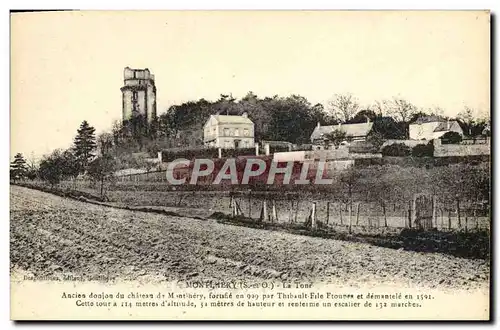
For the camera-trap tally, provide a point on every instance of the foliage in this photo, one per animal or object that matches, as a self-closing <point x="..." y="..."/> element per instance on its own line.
<point x="402" y="111"/>
<point x="335" y="137"/>
<point x="363" y="116"/>
<point x="423" y="150"/>
<point x="101" y="169"/>
<point x="343" y="107"/>
<point x="396" y="149"/>
<point x="189" y="153"/>
<point x="85" y="145"/>
<point x="18" y="168"/>
<point x="470" y="123"/>
<point x="451" y="138"/>
<point x="388" y="128"/>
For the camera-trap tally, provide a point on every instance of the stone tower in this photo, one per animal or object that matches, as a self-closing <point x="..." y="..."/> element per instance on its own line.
<point x="138" y="94"/>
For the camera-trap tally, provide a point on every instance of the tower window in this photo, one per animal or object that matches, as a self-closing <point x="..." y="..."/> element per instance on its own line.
<point x="134" y="95"/>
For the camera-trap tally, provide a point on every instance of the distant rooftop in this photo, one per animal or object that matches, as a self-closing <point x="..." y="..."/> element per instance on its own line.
<point x="232" y="119"/>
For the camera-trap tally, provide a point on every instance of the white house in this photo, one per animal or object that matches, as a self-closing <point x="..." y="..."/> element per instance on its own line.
<point x="229" y="132"/>
<point x="429" y="128"/>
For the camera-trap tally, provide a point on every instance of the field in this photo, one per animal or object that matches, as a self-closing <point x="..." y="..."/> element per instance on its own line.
<point x="290" y="206"/>
<point x="54" y="235"/>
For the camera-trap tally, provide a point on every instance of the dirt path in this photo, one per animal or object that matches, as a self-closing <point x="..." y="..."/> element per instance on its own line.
<point x="53" y="235"/>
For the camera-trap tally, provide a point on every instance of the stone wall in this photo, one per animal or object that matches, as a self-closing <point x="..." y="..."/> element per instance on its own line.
<point x="453" y="150"/>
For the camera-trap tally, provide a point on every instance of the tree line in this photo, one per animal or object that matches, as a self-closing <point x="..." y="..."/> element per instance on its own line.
<point x="276" y="118"/>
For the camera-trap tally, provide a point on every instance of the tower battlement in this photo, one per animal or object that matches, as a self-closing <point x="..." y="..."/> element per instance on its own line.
<point x="138" y="94"/>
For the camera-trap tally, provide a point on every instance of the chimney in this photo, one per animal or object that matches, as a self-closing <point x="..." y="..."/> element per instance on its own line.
<point x="367" y="119"/>
<point x="448" y="125"/>
<point x="319" y="125"/>
<point x="339" y="125"/>
<point x="245" y="115"/>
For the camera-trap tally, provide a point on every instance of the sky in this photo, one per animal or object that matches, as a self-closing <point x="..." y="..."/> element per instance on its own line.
<point x="67" y="67"/>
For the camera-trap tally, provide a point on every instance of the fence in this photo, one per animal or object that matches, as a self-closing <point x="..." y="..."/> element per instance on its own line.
<point x="422" y="211"/>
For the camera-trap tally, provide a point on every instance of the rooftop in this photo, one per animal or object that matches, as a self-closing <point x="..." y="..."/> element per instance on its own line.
<point x="228" y="119"/>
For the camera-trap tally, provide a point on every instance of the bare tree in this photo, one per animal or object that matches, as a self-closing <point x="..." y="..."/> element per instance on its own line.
<point x="437" y="111"/>
<point x="105" y="143"/>
<point x="468" y="118"/>
<point x="381" y="108"/>
<point x="401" y="109"/>
<point x="343" y="107"/>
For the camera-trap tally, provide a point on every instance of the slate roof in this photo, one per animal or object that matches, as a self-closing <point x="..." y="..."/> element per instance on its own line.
<point x="226" y="119"/>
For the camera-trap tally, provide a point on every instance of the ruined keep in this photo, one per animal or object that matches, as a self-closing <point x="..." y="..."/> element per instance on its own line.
<point x="138" y="94"/>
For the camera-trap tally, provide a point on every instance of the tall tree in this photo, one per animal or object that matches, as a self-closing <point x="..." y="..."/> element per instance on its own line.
<point x="18" y="167"/>
<point x="85" y="145"/>
<point x="335" y="137"/>
<point x="402" y="110"/>
<point x="467" y="119"/>
<point x="363" y="116"/>
<point x="381" y="108"/>
<point x="343" y="107"/>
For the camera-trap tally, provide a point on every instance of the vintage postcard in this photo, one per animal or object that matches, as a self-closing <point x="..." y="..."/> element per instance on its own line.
<point x="250" y="165"/>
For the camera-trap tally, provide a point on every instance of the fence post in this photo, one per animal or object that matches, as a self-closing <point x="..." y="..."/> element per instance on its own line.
<point x="250" y="204"/>
<point x="296" y="211"/>
<point x="350" y="219"/>
<point x="263" y="211"/>
<point x="458" y="214"/>
<point x="433" y="221"/>
<point x="341" y="222"/>
<point x="449" y="220"/>
<point x="357" y="213"/>
<point x="327" y="212"/>
<point x="274" y="216"/>
<point x="313" y="216"/>
<point x="409" y="213"/>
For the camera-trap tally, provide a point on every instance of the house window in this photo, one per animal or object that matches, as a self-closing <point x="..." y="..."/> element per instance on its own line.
<point x="236" y="132"/>
<point x="245" y="132"/>
<point x="226" y="131"/>
<point x="227" y="144"/>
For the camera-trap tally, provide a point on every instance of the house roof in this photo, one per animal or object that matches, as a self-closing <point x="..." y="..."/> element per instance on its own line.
<point x="443" y="126"/>
<point x="433" y="130"/>
<point x="227" y="119"/>
<point x="361" y="129"/>
<point x="429" y="119"/>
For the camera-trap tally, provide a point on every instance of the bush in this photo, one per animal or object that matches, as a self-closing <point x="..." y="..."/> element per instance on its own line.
<point x="232" y="153"/>
<point x="396" y="149"/>
<point x="423" y="150"/>
<point x="451" y="138"/>
<point x="190" y="154"/>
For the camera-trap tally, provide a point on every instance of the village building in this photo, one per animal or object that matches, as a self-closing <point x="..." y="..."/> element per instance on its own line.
<point x="229" y="132"/>
<point x="433" y="127"/>
<point x="354" y="132"/>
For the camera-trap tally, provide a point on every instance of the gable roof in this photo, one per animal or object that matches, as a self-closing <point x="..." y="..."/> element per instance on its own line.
<point x="228" y="119"/>
<point x="445" y="126"/>
<point x="361" y="129"/>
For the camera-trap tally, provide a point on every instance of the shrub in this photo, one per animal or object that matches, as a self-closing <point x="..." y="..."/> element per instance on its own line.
<point x="396" y="149"/>
<point x="423" y="150"/>
<point x="451" y="138"/>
